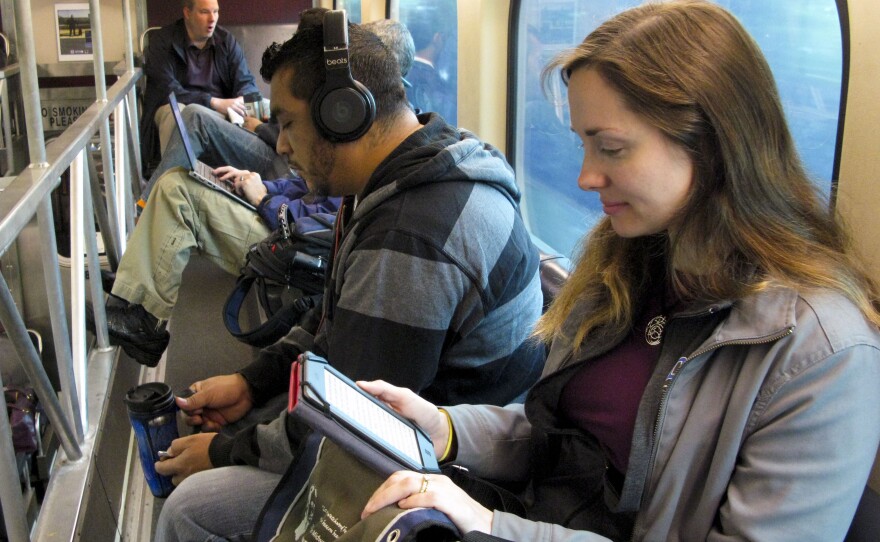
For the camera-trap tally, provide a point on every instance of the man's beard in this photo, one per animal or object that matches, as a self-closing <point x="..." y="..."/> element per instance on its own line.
<point x="324" y="160"/>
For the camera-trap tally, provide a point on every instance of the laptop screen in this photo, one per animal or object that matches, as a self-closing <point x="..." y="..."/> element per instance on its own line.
<point x="181" y="129"/>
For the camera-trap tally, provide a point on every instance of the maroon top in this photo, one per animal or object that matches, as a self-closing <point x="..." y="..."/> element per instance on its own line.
<point x="602" y="398"/>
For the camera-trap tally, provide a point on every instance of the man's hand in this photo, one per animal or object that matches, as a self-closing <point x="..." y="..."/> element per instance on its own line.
<point x="222" y="105"/>
<point x="186" y="456"/>
<point x="246" y="183"/>
<point x="217" y="401"/>
<point x="251" y="123"/>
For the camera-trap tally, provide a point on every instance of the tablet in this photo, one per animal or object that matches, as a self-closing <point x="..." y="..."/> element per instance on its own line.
<point x="335" y="406"/>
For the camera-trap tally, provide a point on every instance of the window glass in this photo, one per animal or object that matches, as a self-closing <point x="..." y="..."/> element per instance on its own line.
<point x="802" y="43"/>
<point x="352" y="9"/>
<point x="434" y="74"/>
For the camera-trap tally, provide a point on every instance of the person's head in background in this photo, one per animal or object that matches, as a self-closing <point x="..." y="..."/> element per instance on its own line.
<point x="296" y="72"/>
<point x="688" y="73"/>
<point x="428" y="37"/>
<point x="200" y="18"/>
<point x="397" y="38"/>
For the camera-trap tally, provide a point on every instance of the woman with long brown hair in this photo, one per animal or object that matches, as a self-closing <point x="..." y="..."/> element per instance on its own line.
<point x="715" y="355"/>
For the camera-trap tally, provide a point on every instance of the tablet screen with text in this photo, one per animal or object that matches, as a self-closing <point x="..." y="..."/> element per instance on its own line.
<point x="372" y="417"/>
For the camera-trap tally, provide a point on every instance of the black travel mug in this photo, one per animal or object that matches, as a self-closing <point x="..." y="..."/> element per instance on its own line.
<point x="153" y="415"/>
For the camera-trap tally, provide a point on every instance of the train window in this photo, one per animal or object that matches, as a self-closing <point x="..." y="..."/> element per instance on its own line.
<point x="803" y="45"/>
<point x="352" y="9"/>
<point x="434" y="74"/>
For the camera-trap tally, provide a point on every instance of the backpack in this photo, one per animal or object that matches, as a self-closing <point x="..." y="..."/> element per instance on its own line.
<point x="322" y="493"/>
<point x="288" y="268"/>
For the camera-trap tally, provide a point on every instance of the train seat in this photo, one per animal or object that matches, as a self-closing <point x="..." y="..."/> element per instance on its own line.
<point x="554" y="271"/>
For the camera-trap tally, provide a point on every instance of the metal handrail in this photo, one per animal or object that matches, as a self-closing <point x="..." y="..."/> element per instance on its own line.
<point x="23" y="196"/>
<point x="27" y="196"/>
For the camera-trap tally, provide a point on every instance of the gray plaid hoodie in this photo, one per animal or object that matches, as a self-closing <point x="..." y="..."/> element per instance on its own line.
<point x="434" y="285"/>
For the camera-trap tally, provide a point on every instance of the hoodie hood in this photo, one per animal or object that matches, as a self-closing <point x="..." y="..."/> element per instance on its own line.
<point x="437" y="153"/>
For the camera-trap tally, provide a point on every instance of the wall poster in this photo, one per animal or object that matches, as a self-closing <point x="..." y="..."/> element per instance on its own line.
<point x="73" y="31"/>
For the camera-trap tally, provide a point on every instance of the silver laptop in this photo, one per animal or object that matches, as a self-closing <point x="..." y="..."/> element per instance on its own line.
<point x="199" y="170"/>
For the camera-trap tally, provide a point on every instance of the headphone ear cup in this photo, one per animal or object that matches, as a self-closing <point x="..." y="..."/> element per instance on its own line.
<point x="343" y="112"/>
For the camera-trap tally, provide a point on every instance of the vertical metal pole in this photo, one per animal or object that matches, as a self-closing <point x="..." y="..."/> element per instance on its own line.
<point x="96" y="289"/>
<point x="58" y="316"/>
<point x="98" y="50"/>
<point x="123" y="189"/>
<point x="29" y="91"/>
<point x="127" y="37"/>
<point x="132" y="95"/>
<point x="14" y="516"/>
<point x="78" y="281"/>
<point x="141" y="18"/>
<point x="122" y="122"/>
<point x="7" y="126"/>
<point x="107" y="230"/>
<point x="106" y="154"/>
<point x="133" y="141"/>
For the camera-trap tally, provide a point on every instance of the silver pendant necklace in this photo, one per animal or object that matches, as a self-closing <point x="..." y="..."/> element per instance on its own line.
<point x="654" y="330"/>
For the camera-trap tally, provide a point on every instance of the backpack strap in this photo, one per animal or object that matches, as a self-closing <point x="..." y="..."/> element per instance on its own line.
<point x="275" y="327"/>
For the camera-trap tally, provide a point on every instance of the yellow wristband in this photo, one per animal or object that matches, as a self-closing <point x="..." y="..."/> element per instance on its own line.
<point x="448" y="438"/>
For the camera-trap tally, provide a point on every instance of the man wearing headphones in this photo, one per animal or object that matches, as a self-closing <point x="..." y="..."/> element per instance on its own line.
<point x="433" y="285"/>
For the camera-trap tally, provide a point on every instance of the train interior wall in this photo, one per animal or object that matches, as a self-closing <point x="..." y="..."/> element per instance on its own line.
<point x="858" y="196"/>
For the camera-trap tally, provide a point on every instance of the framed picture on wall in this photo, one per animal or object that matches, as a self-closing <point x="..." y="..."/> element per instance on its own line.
<point x="73" y="31"/>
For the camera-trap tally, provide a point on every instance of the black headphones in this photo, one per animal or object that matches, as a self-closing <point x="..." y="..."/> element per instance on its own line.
<point x="342" y="109"/>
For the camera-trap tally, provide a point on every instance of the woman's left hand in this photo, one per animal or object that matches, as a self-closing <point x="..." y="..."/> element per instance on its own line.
<point x="414" y="490"/>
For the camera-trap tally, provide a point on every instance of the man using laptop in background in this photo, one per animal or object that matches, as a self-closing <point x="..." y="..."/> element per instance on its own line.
<point x="218" y="142"/>
<point x="201" y="171"/>
<point x="201" y="63"/>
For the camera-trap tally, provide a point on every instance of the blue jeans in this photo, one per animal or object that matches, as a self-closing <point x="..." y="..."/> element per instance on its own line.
<point x="216" y="504"/>
<point x="218" y="142"/>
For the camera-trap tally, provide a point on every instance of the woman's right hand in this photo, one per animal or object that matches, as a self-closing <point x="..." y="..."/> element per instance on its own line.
<point x="412" y="407"/>
<point x="413" y="490"/>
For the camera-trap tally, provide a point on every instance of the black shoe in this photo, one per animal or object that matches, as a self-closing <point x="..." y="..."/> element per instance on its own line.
<point x="108" y="278"/>
<point x="139" y="333"/>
